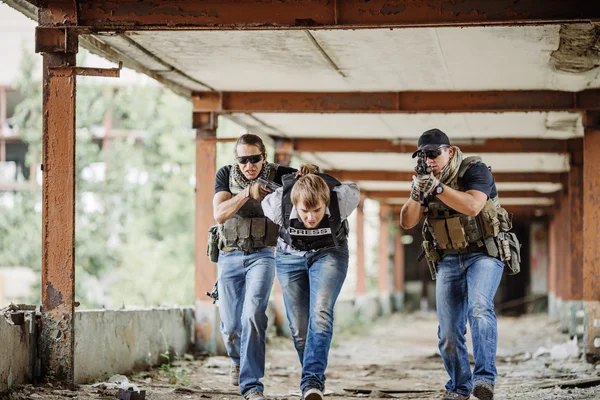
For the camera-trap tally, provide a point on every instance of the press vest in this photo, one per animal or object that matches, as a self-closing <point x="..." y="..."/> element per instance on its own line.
<point x="330" y="232"/>
<point x="249" y="229"/>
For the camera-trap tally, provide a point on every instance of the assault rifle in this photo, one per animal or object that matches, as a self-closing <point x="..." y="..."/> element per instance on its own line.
<point x="422" y="169"/>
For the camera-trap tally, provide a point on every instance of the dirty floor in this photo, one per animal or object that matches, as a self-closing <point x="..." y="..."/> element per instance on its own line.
<point x="395" y="358"/>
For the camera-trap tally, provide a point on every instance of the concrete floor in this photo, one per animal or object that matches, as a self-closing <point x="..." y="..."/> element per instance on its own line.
<point x="398" y="353"/>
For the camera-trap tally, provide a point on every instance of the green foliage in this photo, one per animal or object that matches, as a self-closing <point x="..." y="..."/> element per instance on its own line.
<point x="135" y="202"/>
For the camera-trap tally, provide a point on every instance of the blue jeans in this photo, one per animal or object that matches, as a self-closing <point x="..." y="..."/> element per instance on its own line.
<point x="245" y="282"/>
<point x="465" y="288"/>
<point x="311" y="285"/>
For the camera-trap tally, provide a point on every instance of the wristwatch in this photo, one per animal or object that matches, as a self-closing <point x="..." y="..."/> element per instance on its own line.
<point x="439" y="189"/>
<point x="247" y="191"/>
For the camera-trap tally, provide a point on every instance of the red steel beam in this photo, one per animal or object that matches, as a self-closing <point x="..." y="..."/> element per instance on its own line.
<point x="519" y="212"/>
<point x="323" y="14"/>
<point x="406" y="176"/>
<point x="396" y="102"/>
<point x="591" y="236"/>
<point x="388" y="194"/>
<point x="383" y="275"/>
<point x="496" y="145"/>
<point x="361" y="273"/>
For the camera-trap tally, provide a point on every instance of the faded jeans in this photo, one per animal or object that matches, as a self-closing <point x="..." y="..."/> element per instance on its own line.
<point x="311" y="285"/>
<point x="465" y="288"/>
<point x="245" y="282"/>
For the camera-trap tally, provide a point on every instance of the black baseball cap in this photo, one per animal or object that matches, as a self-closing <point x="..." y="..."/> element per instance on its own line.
<point x="431" y="140"/>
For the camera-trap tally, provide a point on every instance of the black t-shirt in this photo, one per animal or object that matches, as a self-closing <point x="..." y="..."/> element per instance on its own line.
<point x="222" y="178"/>
<point x="478" y="177"/>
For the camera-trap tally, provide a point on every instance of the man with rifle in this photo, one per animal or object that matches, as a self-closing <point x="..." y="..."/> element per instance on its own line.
<point x="467" y="243"/>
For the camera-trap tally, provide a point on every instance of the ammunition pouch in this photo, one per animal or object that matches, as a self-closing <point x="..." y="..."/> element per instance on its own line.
<point x="248" y="234"/>
<point x="510" y="252"/>
<point x="212" y="250"/>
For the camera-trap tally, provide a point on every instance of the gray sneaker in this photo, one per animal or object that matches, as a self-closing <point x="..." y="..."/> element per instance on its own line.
<point x="483" y="390"/>
<point x="312" y="394"/>
<point x="255" y="396"/>
<point x="234" y="374"/>
<point x="455" y="396"/>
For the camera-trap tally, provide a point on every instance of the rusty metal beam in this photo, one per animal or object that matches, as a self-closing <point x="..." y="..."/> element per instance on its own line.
<point x="361" y="272"/>
<point x="321" y="14"/>
<point x="406" y="176"/>
<point x="206" y="272"/>
<point x="591" y="235"/>
<point x="504" y="145"/>
<point x="519" y="212"/>
<point x="383" y="276"/>
<point x="383" y="194"/>
<point x="396" y="102"/>
<point x="58" y="219"/>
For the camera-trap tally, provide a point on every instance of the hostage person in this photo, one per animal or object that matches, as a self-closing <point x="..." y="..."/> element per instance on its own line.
<point x="246" y="260"/>
<point x="466" y="243"/>
<point x="312" y="262"/>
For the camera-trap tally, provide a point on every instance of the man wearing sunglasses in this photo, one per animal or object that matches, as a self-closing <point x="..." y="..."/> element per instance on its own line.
<point x="461" y="232"/>
<point x="246" y="259"/>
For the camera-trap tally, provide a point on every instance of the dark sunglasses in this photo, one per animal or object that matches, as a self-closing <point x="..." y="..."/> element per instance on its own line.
<point x="433" y="154"/>
<point x="253" y="159"/>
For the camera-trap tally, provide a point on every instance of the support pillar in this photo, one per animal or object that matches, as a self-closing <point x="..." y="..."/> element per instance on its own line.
<point x="58" y="218"/>
<point x="59" y="47"/>
<point x="385" y="271"/>
<point x="2" y="124"/>
<point x="283" y="156"/>
<point x="591" y="234"/>
<point x="207" y="331"/>
<point x="574" y="292"/>
<point x="552" y="266"/>
<point x="398" y="292"/>
<point x="564" y="262"/>
<point x="361" y="274"/>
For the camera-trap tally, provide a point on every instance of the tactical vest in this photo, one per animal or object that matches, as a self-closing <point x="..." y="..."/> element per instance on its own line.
<point x="249" y="229"/>
<point x="450" y="232"/>
<point x="330" y="232"/>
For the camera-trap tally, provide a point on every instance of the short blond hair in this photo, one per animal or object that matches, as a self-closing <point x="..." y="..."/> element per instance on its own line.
<point x="310" y="190"/>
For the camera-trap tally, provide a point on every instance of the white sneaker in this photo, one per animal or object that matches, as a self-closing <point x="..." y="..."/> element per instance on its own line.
<point x="313" y="394"/>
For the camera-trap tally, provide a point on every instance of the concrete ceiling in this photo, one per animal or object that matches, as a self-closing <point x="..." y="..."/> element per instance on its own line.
<point x="419" y="59"/>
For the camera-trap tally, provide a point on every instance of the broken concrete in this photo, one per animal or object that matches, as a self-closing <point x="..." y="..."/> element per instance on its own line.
<point x="14" y="354"/>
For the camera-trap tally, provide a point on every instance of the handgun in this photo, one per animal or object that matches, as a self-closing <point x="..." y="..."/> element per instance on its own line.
<point x="270" y="184"/>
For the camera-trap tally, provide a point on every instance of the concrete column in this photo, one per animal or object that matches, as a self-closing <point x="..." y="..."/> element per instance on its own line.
<point x="398" y="293"/>
<point x="574" y="294"/>
<point x="361" y="274"/>
<point x="58" y="217"/>
<point x="384" y="275"/>
<point x="207" y="331"/>
<point x="591" y="234"/>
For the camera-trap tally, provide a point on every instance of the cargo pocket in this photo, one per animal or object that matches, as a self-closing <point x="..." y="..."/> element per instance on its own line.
<point x="229" y="233"/>
<point x="244" y="237"/>
<point x="258" y="230"/>
<point x="457" y="233"/>
<point x="439" y="233"/>
<point x="272" y="234"/>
